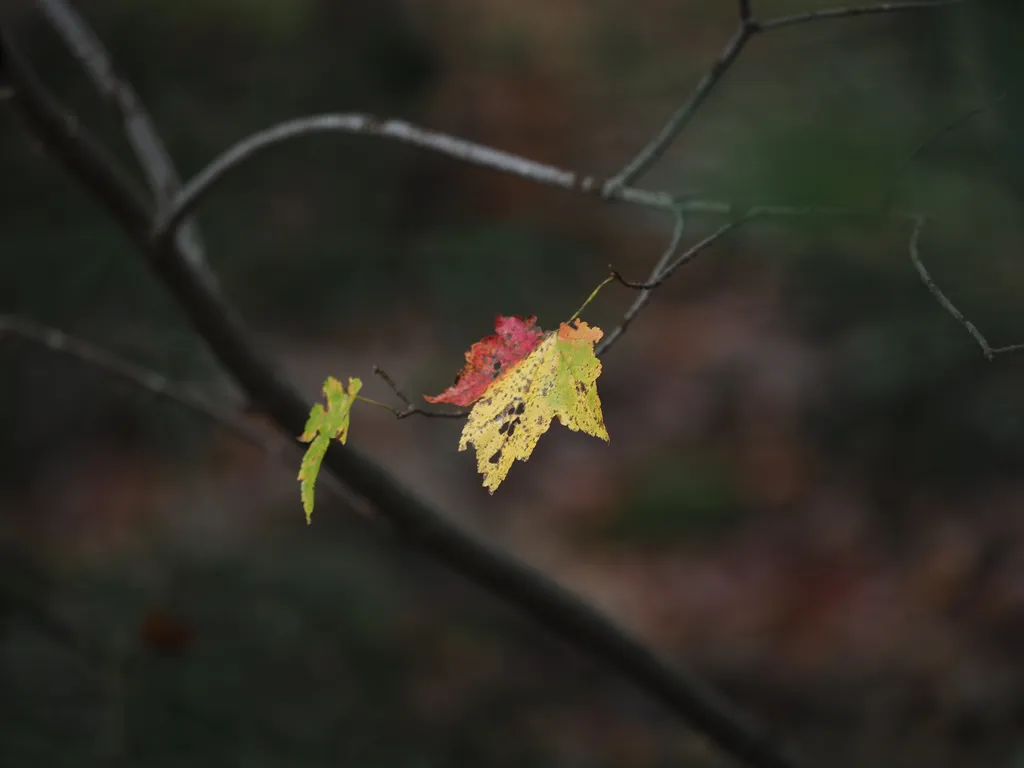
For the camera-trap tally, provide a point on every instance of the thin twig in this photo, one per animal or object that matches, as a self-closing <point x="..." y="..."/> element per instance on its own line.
<point x="410" y="409"/>
<point x="735" y="210"/>
<point x="930" y="141"/>
<point x="149" y="380"/>
<point x="698" y="248"/>
<point x="645" y="296"/>
<point x="394" y="387"/>
<point x="748" y="27"/>
<point x="142" y="136"/>
<point x="398" y="130"/>
<point x="155" y="383"/>
<point x="669" y="263"/>
<point x="660" y="143"/>
<point x="915" y="256"/>
<point x="223" y="330"/>
<point x="846" y="12"/>
<point x="685" y="257"/>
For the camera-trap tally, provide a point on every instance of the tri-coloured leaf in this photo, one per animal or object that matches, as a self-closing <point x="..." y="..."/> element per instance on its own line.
<point x="322" y="426"/>
<point x="558" y="378"/>
<point x="490" y="358"/>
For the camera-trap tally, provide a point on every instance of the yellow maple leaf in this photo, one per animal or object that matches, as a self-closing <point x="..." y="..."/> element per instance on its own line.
<point x="558" y="378"/>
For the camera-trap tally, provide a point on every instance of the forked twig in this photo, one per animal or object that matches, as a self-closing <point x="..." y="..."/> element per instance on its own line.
<point x="747" y="28"/>
<point x="663" y="270"/>
<point x="410" y="409"/>
<point x="684" y="258"/>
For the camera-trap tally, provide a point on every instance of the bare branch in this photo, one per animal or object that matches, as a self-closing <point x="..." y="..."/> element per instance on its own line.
<point x="915" y="256"/>
<point x="223" y="330"/>
<point x="410" y="409"/>
<point x="829" y="14"/>
<point x="139" y="130"/>
<point x="398" y="130"/>
<point x="378" y="371"/>
<point x="645" y="296"/>
<point x="748" y="27"/>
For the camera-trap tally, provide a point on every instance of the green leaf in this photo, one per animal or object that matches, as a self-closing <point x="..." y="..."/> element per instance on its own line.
<point x="322" y="426"/>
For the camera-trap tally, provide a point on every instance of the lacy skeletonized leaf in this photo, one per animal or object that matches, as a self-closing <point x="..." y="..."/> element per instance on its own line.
<point x="322" y="426"/>
<point x="558" y="378"/>
<point x="489" y="359"/>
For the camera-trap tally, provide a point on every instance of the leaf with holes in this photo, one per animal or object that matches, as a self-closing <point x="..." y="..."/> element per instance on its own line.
<point x="323" y="426"/>
<point x="558" y="378"/>
<point x="490" y="357"/>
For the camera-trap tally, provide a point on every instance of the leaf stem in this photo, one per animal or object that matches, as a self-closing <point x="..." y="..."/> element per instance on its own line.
<point x="591" y="297"/>
<point x="378" y="404"/>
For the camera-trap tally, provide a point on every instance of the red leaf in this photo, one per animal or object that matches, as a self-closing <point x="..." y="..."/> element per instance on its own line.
<point x="490" y="357"/>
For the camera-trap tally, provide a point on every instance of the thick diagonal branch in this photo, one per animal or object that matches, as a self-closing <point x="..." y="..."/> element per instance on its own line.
<point x="223" y="330"/>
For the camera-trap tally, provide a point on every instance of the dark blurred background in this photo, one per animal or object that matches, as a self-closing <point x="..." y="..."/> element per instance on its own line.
<point x="813" y="492"/>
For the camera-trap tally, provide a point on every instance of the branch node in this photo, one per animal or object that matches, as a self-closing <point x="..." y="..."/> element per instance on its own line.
<point x="630" y="283"/>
